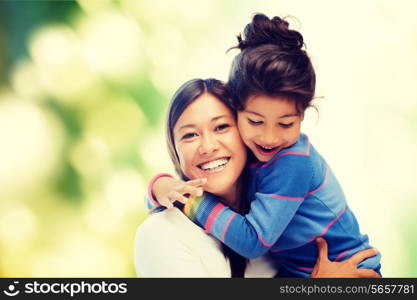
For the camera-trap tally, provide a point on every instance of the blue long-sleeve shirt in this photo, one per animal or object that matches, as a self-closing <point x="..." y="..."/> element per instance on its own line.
<point x="295" y="198"/>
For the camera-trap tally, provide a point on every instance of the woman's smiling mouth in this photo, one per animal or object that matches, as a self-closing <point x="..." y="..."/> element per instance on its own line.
<point x="214" y="166"/>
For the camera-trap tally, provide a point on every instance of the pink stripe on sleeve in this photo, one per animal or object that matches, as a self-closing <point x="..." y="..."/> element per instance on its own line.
<point x="309" y="193"/>
<point x="321" y="234"/>
<point x="227" y="226"/>
<point x="255" y="164"/>
<point x="340" y="255"/>
<point x="304" y="269"/>
<point x="307" y="153"/>
<point x="332" y="222"/>
<point x="329" y="225"/>
<point x="287" y="198"/>
<point x="151" y="183"/>
<point x="263" y="242"/>
<point x="212" y="217"/>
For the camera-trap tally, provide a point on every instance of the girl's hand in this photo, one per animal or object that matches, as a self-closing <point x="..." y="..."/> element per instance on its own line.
<point x="167" y="190"/>
<point x="344" y="269"/>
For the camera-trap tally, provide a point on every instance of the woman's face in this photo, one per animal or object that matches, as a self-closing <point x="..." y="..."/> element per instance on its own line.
<point x="208" y="145"/>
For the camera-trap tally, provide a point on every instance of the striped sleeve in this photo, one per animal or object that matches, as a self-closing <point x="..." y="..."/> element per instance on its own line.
<point x="281" y="190"/>
<point x="150" y="202"/>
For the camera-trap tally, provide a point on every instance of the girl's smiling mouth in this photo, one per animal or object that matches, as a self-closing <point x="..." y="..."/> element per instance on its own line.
<point x="266" y="150"/>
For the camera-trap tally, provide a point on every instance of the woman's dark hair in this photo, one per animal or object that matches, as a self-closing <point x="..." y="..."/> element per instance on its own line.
<point x="272" y="62"/>
<point x="183" y="97"/>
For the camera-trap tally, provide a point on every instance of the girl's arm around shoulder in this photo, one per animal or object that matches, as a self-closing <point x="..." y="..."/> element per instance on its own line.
<point x="272" y="208"/>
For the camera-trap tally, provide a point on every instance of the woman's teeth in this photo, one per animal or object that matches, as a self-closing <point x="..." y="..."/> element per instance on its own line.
<point x="214" y="165"/>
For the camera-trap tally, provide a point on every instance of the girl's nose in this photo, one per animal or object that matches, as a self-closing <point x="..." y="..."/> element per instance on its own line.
<point x="270" y="137"/>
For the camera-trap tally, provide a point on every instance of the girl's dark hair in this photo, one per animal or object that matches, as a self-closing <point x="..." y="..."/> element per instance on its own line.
<point x="272" y="62"/>
<point x="183" y="97"/>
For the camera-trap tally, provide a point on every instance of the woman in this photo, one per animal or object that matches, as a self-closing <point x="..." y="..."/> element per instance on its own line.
<point x="203" y="139"/>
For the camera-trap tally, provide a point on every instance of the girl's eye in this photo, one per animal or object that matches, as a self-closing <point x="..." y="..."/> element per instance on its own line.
<point x="284" y="125"/>
<point x="222" y="127"/>
<point x="188" y="135"/>
<point x="255" y="123"/>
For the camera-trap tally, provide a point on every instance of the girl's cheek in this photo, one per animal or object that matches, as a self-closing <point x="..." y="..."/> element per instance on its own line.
<point x="243" y="131"/>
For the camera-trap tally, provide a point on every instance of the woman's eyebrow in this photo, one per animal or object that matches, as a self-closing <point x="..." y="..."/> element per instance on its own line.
<point x="194" y="126"/>
<point x="186" y="126"/>
<point x="219" y="117"/>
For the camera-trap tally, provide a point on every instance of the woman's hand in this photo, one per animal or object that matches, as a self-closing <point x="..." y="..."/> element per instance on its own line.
<point x="344" y="269"/>
<point x="167" y="190"/>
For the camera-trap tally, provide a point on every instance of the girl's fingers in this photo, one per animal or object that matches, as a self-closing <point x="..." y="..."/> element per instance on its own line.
<point x="362" y="255"/>
<point x="171" y="198"/>
<point x="176" y="196"/>
<point x="166" y="203"/>
<point x="180" y="197"/>
<point x="197" y="182"/>
<point x="191" y="190"/>
<point x="367" y="273"/>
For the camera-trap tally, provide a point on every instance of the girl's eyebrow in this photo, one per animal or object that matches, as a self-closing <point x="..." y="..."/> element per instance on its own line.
<point x="254" y="112"/>
<point x="280" y="117"/>
<point x="288" y="115"/>
<point x="193" y="126"/>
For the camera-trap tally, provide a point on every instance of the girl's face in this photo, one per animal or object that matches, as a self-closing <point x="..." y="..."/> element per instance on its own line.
<point x="208" y="144"/>
<point x="268" y="125"/>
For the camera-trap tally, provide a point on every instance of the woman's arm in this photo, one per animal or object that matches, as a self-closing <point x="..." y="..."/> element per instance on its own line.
<point x="344" y="269"/>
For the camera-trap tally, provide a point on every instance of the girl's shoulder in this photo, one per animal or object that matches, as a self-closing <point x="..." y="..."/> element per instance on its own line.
<point x="300" y="157"/>
<point x="301" y="146"/>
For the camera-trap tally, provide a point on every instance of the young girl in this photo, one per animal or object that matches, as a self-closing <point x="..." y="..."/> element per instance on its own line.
<point x="294" y="195"/>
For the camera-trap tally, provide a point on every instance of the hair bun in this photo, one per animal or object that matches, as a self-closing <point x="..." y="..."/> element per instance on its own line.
<point x="275" y="31"/>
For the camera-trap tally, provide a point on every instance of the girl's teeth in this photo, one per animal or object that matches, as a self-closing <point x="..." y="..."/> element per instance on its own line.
<point x="266" y="148"/>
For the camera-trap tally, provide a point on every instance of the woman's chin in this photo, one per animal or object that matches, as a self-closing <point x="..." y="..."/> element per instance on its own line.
<point x="217" y="188"/>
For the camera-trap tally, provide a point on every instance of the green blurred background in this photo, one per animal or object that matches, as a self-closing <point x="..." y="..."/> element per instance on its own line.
<point x="84" y="86"/>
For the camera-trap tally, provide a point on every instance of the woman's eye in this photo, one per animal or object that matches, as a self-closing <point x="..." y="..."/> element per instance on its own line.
<point x="252" y="122"/>
<point x="189" y="135"/>
<point x="222" y="127"/>
<point x="286" y="125"/>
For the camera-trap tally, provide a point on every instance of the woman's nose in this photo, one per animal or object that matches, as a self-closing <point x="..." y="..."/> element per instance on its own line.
<point x="208" y="145"/>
